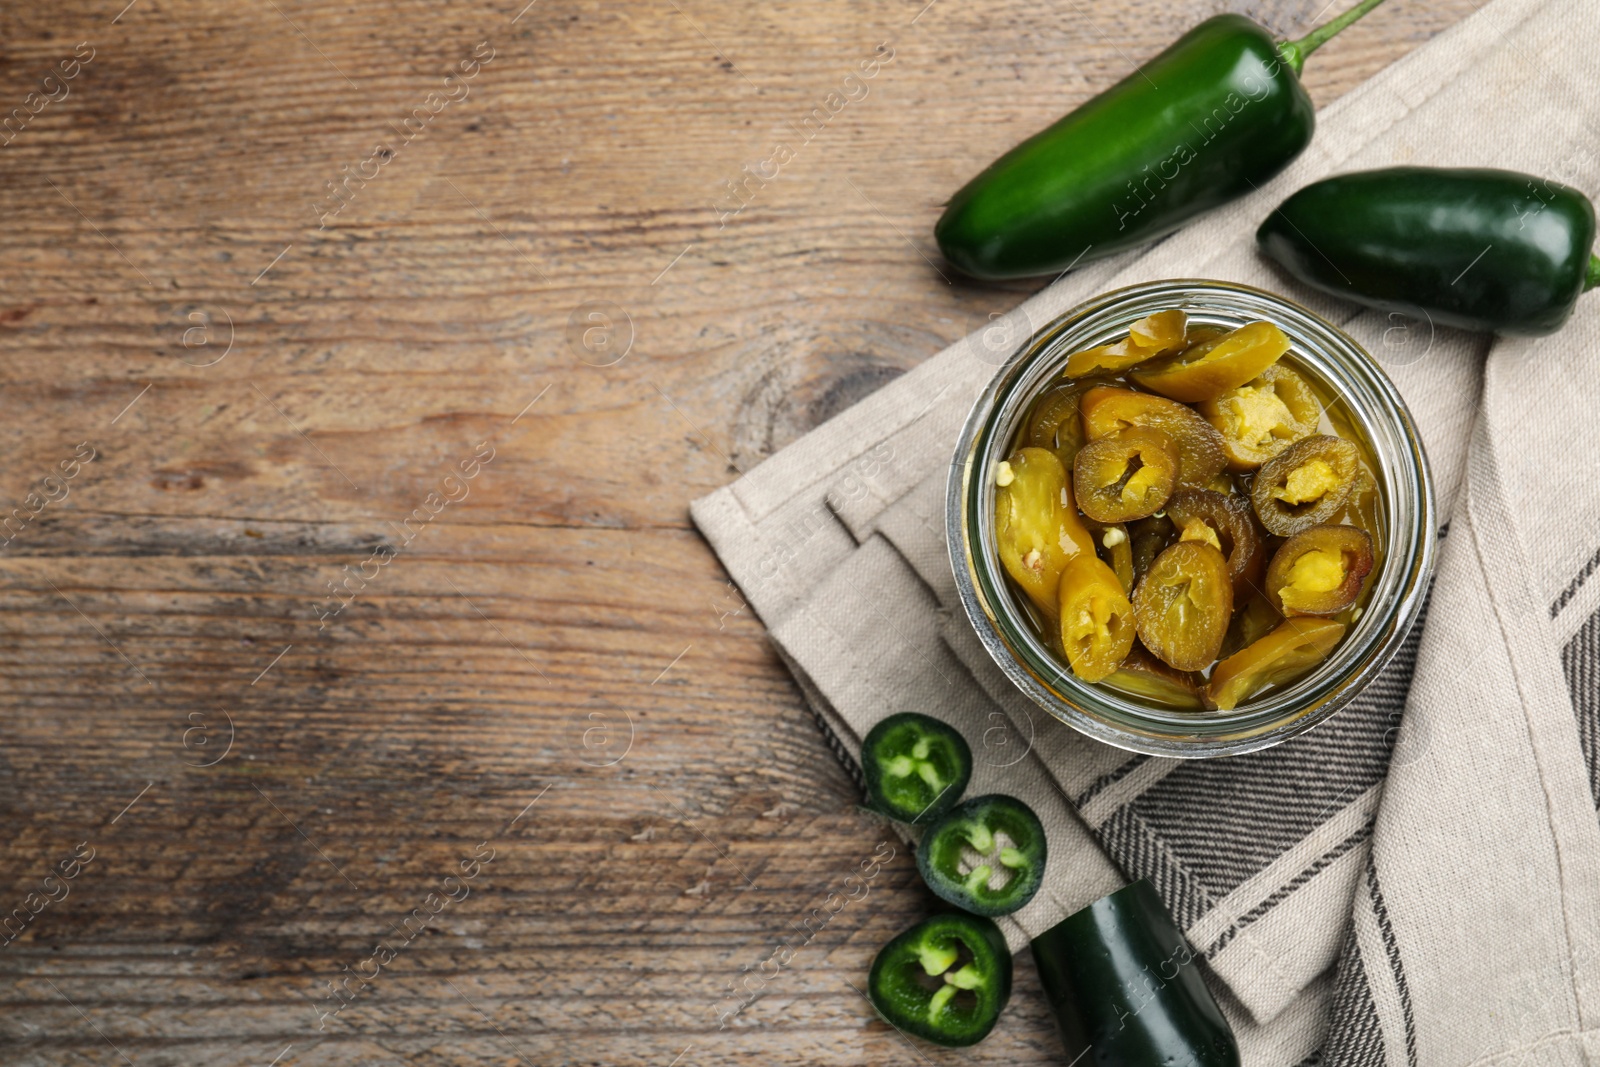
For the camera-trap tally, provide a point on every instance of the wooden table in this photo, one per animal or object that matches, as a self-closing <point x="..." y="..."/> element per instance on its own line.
<point x="280" y="667"/>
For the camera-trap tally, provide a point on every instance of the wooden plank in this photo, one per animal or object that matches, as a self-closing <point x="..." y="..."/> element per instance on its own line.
<point x="271" y="391"/>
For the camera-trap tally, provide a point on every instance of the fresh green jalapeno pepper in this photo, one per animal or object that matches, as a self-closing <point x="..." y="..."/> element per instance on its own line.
<point x="1479" y="249"/>
<point x="986" y="856"/>
<point x="1125" y="987"/>
<point x="946" y="980"/>
<point x="915" y="766"/>
<point x="1214" y="116"/>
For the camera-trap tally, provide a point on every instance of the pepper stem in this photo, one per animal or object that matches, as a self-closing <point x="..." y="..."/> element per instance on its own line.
<point x="1295" y="52"/>
<point x="1592" y="279"/>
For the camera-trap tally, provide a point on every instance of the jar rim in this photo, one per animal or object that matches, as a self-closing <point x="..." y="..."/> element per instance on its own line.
<point x="1398" y="586"/>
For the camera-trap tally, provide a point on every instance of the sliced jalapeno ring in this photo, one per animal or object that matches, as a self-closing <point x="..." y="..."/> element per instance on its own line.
<point x="1263" y="417"/>
<point x="1361" y="510"/>
<point x="1287" y="653"/>
<point x="1183" y="605"/>
<point x="1107" y="410"/>
<point x="1319" y="571"/>
<point x="986" y="855"/>
<point x="1054" y="421"/>
<point x="945" y="980"/>
<point x="1150" y="538"/>
<point x="1096" y="618"/>
<point x="1306" y="485"/>
<point x="1125" y="475"/>
<point x="916" y="767"/>
<point x="1211" y="368"/>
<point x="1225" y="522"/>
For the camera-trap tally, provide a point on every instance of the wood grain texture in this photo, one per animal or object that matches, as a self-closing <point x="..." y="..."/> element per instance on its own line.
<point x="559" y="636"/>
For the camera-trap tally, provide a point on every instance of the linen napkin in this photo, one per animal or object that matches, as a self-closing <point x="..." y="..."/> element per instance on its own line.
<point x="1447" y="867"/>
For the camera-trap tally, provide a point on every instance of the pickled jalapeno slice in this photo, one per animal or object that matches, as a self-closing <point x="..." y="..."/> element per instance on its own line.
<point x="1097" y="628"/>
<point x="985" y="856"/>
<point x="1306" y="485"/>
<point x="915" y="767"/>
<point x="1183" y="605"/>
<point x="946" y="979"/>
<point x="1263" y="417"/>
<point x="1036" y="524"/>
<point x="1107" y="410"/>
<point x="1319" y="571"/>
<point x="1201" y="332"/>
<point x="1055" y="422"/>
<point x="1125" y="475"/>
<point x="1150" y="538"/>
<point x="1211" y="368"/>
<point x="1255" y="620"/>
<point x="1142" y="675"/>
<point x="1362" y="508"/>
<point x="1227" y="524"/>
<point x="1163" y="331"/>
<point x="1154" y="335"/>
<point x="1286" y="654"/>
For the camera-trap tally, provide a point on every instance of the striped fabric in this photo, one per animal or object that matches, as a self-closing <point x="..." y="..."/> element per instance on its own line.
<point x="1580" y="660"/>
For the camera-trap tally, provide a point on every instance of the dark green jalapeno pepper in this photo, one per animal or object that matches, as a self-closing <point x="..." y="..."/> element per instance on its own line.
<point x="1208" y="120"/>
<point x="1478" y="249"/>
<point x="1126" y="989"/>
<point x="946" y="980"/>
<point x="916" y="767"/>
<point x="986" y="856"/>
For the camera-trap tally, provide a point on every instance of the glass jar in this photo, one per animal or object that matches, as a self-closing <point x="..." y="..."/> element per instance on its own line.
<point x="1408" y="533"/>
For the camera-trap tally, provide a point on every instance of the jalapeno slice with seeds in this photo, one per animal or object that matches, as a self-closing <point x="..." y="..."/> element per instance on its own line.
<point x="1125" y="475"/>
<point x="916" y="767"/>
<point x="1036" y="525"/>
<point x="1263" y="417"/>
<point x="1183" y="604"/>
<point x="1319" y="571"/>
<point x="945" y="980"/>
<point x="986" y="856"/>
<point x="1106" y="410"/>
<point x="1306" y="485"/>
<point x="1211" y="368"/>
<point x="1287" y="653"/>
<point x="1096" y="618"/>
